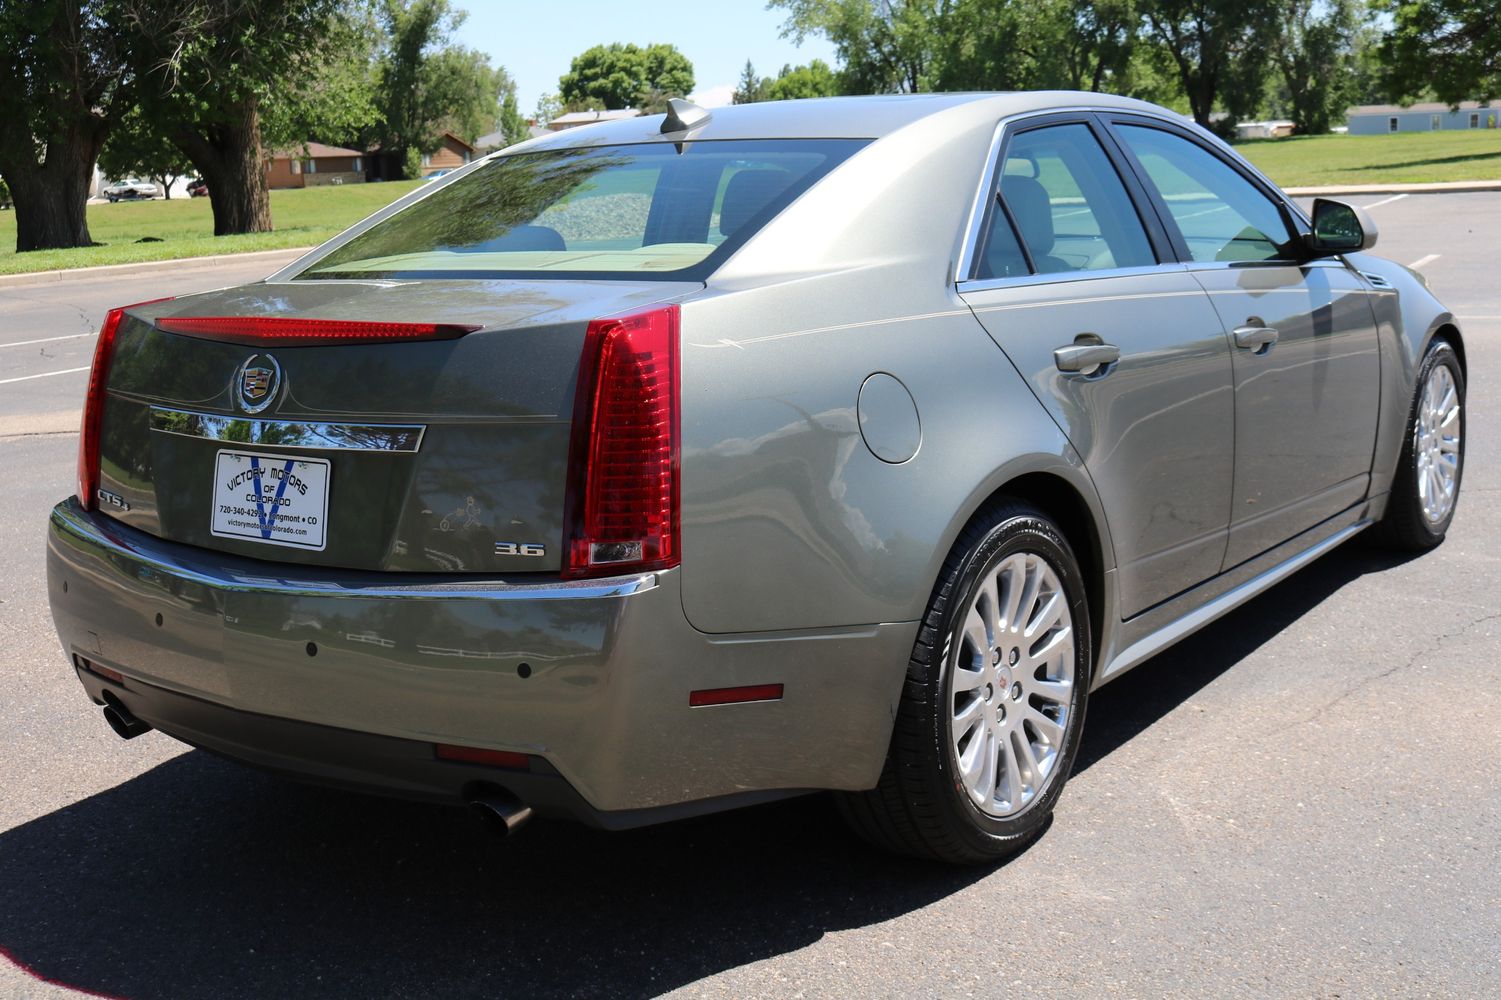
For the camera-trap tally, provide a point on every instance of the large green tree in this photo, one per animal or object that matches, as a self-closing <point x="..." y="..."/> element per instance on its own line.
<point x="815" y="79"/>
<point x="209" y="70"/>
<point x="64" y="82"/>
<point x="427" y="86"/>
<point x="1219" y="48"/>
<point x="751" y="89"/>
<point x="618" y="76"/>
<point x="884" y="46"/>
<point x="1316" y="59"/>
<point x="1451" y="48"/>
<point x="911" y="45"/>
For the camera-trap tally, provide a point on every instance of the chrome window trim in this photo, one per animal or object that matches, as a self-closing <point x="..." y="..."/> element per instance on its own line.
<point x="1026" y="280"/>
<point x="969" y="247"/>
<point x="312" y="435"/>
<point x="1227" y="265"/>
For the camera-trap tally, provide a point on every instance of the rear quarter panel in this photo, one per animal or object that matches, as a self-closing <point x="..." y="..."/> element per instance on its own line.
<point x="789" y="521"/>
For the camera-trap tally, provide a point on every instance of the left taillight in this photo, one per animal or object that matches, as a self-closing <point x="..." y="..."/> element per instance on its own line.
<point x="93" y="405"/>
<point x="622" y="492"/>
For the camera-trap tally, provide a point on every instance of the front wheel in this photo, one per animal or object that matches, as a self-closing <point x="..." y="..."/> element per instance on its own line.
<point x="1426" y="486"/>
<point x="993" y="704"/>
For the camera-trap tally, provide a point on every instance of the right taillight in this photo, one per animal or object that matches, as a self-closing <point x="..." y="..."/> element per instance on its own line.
<point x="93" y="406"/>
<point x="623" y="461"/>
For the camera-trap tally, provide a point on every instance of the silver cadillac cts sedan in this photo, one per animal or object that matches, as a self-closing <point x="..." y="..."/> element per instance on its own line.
<point x="690" y="461"/>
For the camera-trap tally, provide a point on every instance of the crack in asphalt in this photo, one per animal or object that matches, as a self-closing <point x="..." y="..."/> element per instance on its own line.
<point x="1367" y="681"/>
<point x="83" y="315"/>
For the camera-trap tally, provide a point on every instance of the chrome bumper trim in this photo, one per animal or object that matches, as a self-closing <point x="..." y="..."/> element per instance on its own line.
<point x="239" y="575"/>
<point x="316" y="435"/>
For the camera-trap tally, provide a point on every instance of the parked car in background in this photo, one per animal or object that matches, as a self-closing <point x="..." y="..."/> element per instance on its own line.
<point x="131" y="188"/>
<point x="682" y="463"/>
<point x="198" y="188"/>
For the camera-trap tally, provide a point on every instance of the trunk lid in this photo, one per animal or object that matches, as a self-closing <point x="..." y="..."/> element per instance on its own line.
<point x="441" y="455"/>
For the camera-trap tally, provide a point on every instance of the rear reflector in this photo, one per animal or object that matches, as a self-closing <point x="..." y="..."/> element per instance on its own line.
<point x="622" y="493"/>
<point x="507" y="759"/>
<point x="735" y="696"/>
<point x="283" y="331"/>
<point x="102" y="671"/>
<point x="93" y="405"/>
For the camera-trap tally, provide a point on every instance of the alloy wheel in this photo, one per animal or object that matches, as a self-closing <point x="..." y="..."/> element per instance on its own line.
<point x="1436" y="444"/>
<point x="1012" y="670"/>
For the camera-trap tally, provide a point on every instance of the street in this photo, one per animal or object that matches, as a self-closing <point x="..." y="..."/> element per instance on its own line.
<point x="1303" y="799"/>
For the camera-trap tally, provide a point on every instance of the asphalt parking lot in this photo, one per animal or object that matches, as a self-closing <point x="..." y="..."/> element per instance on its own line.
<point x="1302" y="800"/>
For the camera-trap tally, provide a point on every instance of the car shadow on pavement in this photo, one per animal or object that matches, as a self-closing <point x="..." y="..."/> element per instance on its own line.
<point x="1127" y="706"/>
<point x="203" y="878"/>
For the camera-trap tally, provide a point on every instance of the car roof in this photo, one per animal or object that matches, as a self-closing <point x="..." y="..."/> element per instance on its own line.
<point x="829" y="117"/>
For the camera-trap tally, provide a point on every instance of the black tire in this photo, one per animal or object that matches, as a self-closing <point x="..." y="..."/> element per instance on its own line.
<point x="1404" y="526"/>
<point x="919" y="806"/>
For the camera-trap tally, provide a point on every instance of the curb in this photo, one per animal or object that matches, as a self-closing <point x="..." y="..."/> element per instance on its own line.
<point x="1437" y="187"/>
<point x="106" y="270"/>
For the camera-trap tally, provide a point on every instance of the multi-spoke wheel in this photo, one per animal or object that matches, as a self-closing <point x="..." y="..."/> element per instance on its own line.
<point x="1426" y="485"/>
<point x="1012" y="678"/>
<point x="993" y="704"/>
<point x="1436" y="443"/>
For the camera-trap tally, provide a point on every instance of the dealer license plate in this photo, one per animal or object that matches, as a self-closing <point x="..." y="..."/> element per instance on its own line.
<point x="271" y="498"/>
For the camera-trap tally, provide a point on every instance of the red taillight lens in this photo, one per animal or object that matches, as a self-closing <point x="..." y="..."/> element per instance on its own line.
<point x="93" y="405"/>
<point x="623" y="463"/>
<point x="283" y="331"/>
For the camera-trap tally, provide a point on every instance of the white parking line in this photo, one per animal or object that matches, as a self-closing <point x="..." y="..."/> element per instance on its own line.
<point x="27" y="378"/>
<point x="1421" y="261"/>
<point x="1386" y="201"/>
<point x="47" y="340"/>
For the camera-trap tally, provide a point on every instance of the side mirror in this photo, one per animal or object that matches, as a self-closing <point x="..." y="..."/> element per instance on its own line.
<point x="1339" y="228"/>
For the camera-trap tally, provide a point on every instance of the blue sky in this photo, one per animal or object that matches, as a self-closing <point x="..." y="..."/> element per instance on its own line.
<point x="536" y="41"/>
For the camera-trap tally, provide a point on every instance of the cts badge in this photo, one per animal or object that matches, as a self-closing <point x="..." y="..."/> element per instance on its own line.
<point x="257" y="383"/>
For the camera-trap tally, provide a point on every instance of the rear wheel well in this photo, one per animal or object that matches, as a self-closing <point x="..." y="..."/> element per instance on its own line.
<point x="1056" y="498"/>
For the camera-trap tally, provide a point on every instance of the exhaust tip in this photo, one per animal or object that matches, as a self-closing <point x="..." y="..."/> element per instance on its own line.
<point x="120" y="719"/>
<point x="502" y="811"/>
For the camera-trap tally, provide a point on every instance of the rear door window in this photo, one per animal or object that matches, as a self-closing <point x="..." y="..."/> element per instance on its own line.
<point x="1068" y="206"/>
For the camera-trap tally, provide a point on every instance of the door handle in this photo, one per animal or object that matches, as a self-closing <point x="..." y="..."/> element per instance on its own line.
<point x="1256" y="338"/>
<point x="1083" y="357"/>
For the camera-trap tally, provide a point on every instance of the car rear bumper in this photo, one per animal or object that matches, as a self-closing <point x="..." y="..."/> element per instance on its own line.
<point x="353" y="678"/>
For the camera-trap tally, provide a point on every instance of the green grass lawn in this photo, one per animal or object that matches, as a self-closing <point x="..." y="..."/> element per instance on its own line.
<point x="1412" y="157"/>
<point x="185" y="226"/>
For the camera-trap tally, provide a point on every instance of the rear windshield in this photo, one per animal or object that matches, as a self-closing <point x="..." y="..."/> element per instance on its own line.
<point x="668" y="210"/>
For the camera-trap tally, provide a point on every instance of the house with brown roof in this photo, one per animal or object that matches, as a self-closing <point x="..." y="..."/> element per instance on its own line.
<point x="313" y="165"/>
<point x="451" y="154"/>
